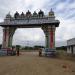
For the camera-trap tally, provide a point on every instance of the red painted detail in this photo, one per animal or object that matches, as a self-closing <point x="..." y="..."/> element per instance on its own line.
<point x="5" y="33"/>
<point x="51" y="39"/>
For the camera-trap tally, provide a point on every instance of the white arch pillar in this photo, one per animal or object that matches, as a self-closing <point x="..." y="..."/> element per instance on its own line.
<point x="50" y="36"/>
<point x="7" y="37"/>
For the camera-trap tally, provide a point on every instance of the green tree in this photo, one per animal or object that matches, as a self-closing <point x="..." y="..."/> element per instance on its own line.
<point x="0" y="46"/>
<point x="18" y="47"/>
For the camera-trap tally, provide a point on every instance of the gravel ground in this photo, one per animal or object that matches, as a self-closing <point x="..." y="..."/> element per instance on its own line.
<point x="29" y="63"/>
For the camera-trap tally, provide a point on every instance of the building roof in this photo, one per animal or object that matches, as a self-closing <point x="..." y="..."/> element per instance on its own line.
<point x="71" y="41"/>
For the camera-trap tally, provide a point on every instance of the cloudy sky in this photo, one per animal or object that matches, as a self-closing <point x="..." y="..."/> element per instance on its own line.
<point x="64" y="11"/>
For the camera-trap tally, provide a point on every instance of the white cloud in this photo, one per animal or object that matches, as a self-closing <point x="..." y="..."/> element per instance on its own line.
<point x="66" y="30"/>
<point x="61" y="6"/>
<point x="29" y="34"/>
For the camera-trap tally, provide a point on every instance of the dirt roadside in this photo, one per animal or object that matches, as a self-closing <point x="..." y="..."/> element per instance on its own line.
<point x="29" y="63"/>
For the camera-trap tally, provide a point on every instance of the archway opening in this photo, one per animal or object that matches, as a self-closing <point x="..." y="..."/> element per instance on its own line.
<point x="29" y="37"/>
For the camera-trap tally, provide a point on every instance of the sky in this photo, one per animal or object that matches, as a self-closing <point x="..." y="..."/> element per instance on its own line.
<point x="64" y="12"/>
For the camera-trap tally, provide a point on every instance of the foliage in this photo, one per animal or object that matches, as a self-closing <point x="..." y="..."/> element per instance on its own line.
<point x="37" y="47"/>
<point x="62" y="48"/>
<point x="18" y="47"/>
<point x="27" y="48"/>
<point x="32" y="48"/>
<point x="0" y="46"/>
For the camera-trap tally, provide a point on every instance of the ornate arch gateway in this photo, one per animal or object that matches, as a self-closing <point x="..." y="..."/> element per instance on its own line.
<point x="48" y="24"/>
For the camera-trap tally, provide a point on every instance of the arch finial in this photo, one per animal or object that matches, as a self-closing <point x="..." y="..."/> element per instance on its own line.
<point x="51" y="13"/>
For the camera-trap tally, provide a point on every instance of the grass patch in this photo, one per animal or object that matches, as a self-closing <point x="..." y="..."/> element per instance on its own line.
<point x="63" y="55"/>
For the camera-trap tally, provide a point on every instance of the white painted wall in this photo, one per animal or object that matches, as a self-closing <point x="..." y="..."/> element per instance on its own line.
<point x="69" y="43"/>
<point x="73" y="49"/>
<point x="69" y="50"/>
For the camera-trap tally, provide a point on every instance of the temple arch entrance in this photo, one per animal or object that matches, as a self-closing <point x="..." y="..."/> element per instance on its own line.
<point x="47" y="23"/>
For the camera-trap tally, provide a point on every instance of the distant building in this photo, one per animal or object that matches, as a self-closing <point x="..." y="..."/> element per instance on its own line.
<point x="71" y="46"/>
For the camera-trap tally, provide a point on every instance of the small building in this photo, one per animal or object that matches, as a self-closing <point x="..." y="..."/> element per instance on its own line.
<point x="71" y="46"/>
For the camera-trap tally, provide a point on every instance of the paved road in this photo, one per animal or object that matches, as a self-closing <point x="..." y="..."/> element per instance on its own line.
<point x="29" y="63"/>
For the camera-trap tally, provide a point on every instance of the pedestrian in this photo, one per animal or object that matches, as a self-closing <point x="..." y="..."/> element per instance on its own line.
<point x="18" y="52"/>
<point x="40" y="52"/>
